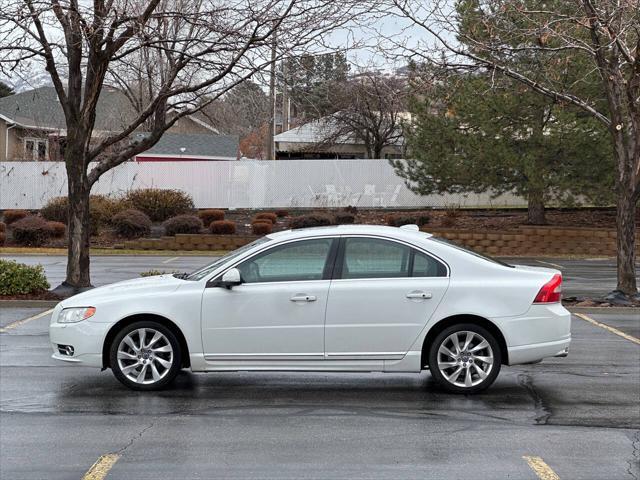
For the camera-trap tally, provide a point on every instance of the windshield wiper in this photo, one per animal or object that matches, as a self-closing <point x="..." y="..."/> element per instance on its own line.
<point x="181" y="276"/>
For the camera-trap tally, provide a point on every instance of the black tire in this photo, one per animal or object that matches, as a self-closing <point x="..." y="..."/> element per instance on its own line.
<point x="482" y="384"/>
<point x="167" y="376"/>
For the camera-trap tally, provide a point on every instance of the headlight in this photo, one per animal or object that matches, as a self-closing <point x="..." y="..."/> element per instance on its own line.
<point x="74" y="315"/>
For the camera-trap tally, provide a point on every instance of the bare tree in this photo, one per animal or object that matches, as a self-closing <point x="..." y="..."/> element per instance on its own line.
<point x="371" y="109"/>
<point x="603" y="35"/>
<point x="173" y="57"/>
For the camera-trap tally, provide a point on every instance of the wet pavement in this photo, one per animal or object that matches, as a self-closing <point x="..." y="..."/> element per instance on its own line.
<point x="580" y="414"/>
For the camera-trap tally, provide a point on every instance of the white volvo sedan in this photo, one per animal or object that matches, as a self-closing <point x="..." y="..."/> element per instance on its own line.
<point x="346" y="298"/>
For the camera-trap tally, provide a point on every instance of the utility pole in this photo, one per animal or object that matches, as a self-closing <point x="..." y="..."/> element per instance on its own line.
<point x="285" y="97"/>
<point x="272" y="101"/>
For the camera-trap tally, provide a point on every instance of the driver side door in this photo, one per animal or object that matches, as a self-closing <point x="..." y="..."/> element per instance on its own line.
<point x="278" y="311"/>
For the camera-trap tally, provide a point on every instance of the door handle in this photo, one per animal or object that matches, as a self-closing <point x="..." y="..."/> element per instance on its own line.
<point x="301" y="297"/>
<point x="417" y="294"/>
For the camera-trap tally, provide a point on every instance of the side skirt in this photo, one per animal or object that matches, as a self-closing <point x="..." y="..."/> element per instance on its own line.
<point x="410" y="364"/>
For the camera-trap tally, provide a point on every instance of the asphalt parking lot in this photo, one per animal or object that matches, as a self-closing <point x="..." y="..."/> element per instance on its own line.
<point x="582" y="277"/>
<point x="580" y="415"/>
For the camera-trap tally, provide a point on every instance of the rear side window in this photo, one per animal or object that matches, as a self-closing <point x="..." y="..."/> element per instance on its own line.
<point x="378" y="258"/>
<point x="426" y="266"/>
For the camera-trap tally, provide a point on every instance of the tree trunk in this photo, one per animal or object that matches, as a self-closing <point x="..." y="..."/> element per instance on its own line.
<point x="626" y="240"/>
<point x="79" y="228"/>
<point x="535" y="208"/>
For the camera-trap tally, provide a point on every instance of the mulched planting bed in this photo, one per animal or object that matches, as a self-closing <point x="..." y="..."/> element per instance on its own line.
<point x="480" y="220"/>
<point x="32" y="296"/>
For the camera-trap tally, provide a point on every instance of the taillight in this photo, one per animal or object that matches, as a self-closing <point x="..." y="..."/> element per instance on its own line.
<point x="551" y="292"/>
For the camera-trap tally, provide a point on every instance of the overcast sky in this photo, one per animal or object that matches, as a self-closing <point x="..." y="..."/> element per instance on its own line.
<point x="361" y="44"/>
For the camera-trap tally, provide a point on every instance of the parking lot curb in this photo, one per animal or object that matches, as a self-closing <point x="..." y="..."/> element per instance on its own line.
<point x="28" y="303"/>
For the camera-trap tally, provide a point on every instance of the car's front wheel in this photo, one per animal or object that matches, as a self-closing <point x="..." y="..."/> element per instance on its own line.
<point x="465" y="358"/>
<point x="145" y="355"/>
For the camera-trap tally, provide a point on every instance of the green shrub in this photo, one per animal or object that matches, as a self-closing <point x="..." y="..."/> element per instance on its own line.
<point x="223" y="227"/>
<point x="272" y="217"/>
<point x="182" y="224"/>
<point x="20" y="279"/>
<point x="153" y="273"/>
<point x="58" y="229"/>
<point x="132" y="224"/>
<point x="282" y="213"/>
<point x="31" y="231"/>
<point x="211" y="215"/>
<point x="11" y="216"/>
<point x="307" y="221"/>
<point x="159" y="204"/>
<point x="262" y="228"/>
<point x="343" y="218"/>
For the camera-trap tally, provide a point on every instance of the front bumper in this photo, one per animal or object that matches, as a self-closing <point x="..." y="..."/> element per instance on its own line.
<point x="86" y="338"/>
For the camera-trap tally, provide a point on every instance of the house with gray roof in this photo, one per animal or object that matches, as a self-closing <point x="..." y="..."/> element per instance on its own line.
<point x="185" y="147"/>
<point x="32" y="128"/>
<point x="322" y="139"/>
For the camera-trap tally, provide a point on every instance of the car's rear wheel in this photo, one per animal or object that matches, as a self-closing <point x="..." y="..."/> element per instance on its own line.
<point x="465" y="358"/>
<point x="145" y="355"/>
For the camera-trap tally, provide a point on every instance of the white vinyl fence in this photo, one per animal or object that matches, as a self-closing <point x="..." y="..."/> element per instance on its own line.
<point x="242" y="184"/>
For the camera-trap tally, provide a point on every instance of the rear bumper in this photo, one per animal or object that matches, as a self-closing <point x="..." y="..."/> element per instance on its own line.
<point x="544" y="331"/>
<point x="538" y="351"/>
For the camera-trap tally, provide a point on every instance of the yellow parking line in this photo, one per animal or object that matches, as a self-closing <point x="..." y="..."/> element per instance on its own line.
<point x="543" y="471"/>
<point x="101" y="468"/>
<point x="168" y="260"/>
<point x="620" y="333"/>
<point x="17" y="323"/>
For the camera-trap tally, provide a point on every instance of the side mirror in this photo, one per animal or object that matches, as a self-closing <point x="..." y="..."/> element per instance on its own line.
<point x="231" y="278"/>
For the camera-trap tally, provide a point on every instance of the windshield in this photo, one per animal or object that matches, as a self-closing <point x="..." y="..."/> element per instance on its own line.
<point x="476" y="254"/>
<point x="204" y="271"/>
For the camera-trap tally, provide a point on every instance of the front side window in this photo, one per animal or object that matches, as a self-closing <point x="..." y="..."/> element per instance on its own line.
<point x="296" y="261"/>
<point x="377" y="258"/>
<point x="208" y="269"/>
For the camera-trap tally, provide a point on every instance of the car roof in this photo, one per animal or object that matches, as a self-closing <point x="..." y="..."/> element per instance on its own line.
<point x="408" y="232"/>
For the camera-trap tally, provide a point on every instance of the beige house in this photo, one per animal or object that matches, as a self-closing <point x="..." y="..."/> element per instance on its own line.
<point x="317" y="140"/>
<point x="32" y="124"/>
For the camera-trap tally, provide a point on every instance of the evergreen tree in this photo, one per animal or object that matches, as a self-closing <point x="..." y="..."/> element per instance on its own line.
<point x="5" y="90"/>
<point x="477" y="132"/>
<point x="313" y="81"/>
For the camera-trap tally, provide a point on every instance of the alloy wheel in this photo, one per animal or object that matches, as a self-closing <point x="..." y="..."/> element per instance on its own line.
<point x="145" y="356"/>
<point x="465" y="359"/>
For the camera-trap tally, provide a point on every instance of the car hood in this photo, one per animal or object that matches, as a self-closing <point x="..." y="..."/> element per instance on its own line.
<point x="138" y="286"/>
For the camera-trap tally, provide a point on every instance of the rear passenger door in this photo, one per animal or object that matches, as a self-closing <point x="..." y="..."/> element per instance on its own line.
<point x="382" y="295"/>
